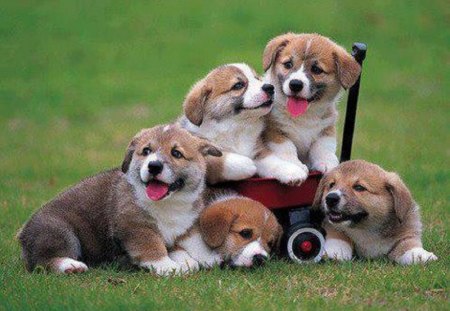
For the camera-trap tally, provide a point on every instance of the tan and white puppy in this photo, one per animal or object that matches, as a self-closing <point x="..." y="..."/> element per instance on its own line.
<point x="230" y="107"/>
<point x="242" y="231"/>
<point x="147" y="211"/>
<point x="309" y="72"/>
<point x="372" y="210"/>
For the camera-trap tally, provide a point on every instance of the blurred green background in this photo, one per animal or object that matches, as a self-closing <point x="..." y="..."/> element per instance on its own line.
<point x="79" y="78"/>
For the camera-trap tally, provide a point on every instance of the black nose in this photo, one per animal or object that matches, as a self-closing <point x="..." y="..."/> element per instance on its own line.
<point x="332" y="199"/>
<point x="296" y="85"/>
<point x="155" y="167"/>
<point x="258" y="260"/>
<point x="268" y="88"/>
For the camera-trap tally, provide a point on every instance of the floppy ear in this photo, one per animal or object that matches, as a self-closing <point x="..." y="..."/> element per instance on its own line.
<point x="195" y="102"/>
<point x="130" y="150"/>
<point x="317" y="203"/>
<point x="402" y="199"/>
<point x="208" y="149"/>
<point x="274" y="47"/>
<point x="215" y="223"/>
<point x="347" y="68"/>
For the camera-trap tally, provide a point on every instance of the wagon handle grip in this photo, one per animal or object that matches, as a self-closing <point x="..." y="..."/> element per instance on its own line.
<point x="359" y="53"/>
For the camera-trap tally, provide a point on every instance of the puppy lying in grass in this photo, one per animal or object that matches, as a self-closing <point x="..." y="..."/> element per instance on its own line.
<point x="243" y="231"/>
<point x="371" y="210"/>
<point x="146" y="211"/>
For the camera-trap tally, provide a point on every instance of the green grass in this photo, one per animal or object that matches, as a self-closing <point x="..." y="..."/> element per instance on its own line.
<point x="79" y="78"/>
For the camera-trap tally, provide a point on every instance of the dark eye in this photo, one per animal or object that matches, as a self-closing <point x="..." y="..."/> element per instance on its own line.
<point x="146" y="151"/>
<point x="238" y="85"/>
<point x="246" y="233"/>
<point x="176" y="154"/>
<point x="359" y="188"/>
<point x="288" y="64"/>
<point x="332" y="185"/>
<point x="316" y="69"/>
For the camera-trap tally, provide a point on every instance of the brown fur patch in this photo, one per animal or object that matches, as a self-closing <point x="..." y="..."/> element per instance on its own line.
<point x="201" y="100"/>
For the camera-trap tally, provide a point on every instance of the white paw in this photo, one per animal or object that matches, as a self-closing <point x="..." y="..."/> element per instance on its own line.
<point x="213" y="260"/>
<point x="290" y="174"/>
<point x="186" y="262"/>
<point x="326" y="165"/>
<point x="339" y="250"/>
<point x="162" y="267"/>
<point x="67" y="265"/>
<point x="416" y="255"/>
<point x="238" y="167"/>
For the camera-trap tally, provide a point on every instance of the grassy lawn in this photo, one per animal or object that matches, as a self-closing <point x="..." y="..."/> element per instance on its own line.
<point x="79" y="78"/>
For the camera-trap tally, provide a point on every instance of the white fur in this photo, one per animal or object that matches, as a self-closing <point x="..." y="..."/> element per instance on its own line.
<point x="368" y="244"/>
<point x="163" y="267"/>
<point x="286" y="172"/>
<point x="175" y="216"/>
<point x="298" y="75"/>
<point x="233" y="135"/>
<point x="67" y="265"/>
<point x="200" y="252"/>
<point x="416" y="255"/>
<point x="254" y="96"/>
<point x="166" y="174"/>
<point x="337" y="249"/>
<point x="186" y="262"/>
<point x="237" y="167"/>
<point x="323" y="154"/>
<point x="245" y="258"/>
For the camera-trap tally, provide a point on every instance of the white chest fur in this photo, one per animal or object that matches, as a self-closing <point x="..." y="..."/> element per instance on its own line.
<point x="303" y="130"/>
<point x="174" y="216"/>
<point x="239" y="136"/>
<point x="370" y="245"/>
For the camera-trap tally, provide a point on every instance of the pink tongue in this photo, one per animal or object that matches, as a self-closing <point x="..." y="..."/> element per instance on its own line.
<point x="297" y="106"/>
<point x="157" y="190"/>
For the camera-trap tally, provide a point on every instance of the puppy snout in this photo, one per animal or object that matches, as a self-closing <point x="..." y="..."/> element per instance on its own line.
<point x="296" y="85"/>
<point x="268" y="89"/>
<point x="332" y="199"/>
<point x="258" y="260"/>
<point x="155" y="167"/>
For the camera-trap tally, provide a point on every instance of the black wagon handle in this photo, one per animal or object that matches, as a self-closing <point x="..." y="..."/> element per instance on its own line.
<point x="359" y="53"/>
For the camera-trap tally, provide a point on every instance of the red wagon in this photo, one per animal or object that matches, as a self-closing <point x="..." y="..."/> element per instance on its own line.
<point x="303" y="239"/>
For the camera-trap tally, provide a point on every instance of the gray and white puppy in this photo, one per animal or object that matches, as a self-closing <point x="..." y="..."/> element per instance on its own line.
<point x="147" y="211"/>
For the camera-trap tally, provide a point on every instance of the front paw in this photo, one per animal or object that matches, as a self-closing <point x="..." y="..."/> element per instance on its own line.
<point x="290" y="174"/>
<point x="162" y="267"/>
<point x="326" y="165"/>
<point x="416" y="255"/>
<point x="213" y="260"/>
<point x="186" y="262"/>
<point x="339" y="250"/>
<point x="238" y="167"/>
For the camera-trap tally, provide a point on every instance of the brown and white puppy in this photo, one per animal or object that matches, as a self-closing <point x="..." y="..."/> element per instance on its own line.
<point x="373" y="210"/>
<point x="309" y="72"/>
<point x="230" y="107"/>
<point x="146" y="211"/>
<point x="242" y="231"/>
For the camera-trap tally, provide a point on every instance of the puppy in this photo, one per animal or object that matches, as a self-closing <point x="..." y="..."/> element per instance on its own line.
<point x="230" y="107"/>
<point x="147" y="211"/>
<point x="242" y="231"/>
<point x="373" y="210"/>
<point x="309" y="72"/>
